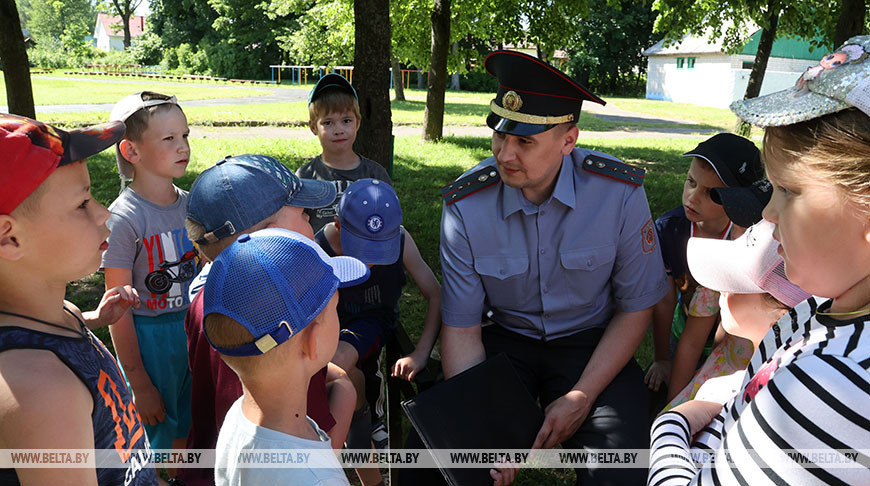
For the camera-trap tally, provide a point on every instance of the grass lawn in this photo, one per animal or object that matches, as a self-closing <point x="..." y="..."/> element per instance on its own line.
<point x="722" y="118"/>
<point x="61" y="91"/>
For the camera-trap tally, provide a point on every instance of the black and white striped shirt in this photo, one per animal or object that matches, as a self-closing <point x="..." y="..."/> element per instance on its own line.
<point x="801" y="416"/>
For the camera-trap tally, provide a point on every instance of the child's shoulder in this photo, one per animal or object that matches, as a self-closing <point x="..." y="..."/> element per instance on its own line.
<point x="673" y="222"/>
<point x="376" y="170"/>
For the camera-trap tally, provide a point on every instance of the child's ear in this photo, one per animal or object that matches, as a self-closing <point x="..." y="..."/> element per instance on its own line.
<point x="10" y="248"/>
<point x="128" y="150"/>
<point x="309" y="339"/>
<point x="312" y="124"/>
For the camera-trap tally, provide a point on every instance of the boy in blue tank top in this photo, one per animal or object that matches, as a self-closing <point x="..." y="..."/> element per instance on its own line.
<point x="60" y="388"/>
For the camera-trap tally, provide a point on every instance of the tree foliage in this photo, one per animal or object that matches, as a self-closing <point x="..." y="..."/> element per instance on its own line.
<point x="605" y="52"/>
<point x="56" y="18"/>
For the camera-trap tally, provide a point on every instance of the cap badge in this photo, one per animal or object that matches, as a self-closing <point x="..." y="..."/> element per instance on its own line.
<point x="512" y="101"/>
<point x="375" y="223"/>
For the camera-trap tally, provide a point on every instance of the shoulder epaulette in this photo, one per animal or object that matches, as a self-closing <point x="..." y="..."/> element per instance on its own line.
<point x="468" y="185"/>
<point x="614" y="169"/>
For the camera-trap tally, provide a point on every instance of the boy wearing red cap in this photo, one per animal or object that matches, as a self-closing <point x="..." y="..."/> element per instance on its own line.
<point x="60" y="387"/>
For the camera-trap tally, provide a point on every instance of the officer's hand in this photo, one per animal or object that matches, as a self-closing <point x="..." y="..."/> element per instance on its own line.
<point x="562" y="418"/>
<point x="503" y="474"/>
<point x="658" y="374"/>
<point x="698" y="413"/>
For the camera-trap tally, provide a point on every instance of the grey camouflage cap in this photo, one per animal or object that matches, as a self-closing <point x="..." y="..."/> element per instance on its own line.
<point x="841" y="80"/>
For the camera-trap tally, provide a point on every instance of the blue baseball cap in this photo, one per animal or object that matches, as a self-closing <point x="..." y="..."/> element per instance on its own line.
<point x="274" y="282"/>
<point x="370" y="219"/>
<point x="331" y="80"/>
<point x="239" y="192"/>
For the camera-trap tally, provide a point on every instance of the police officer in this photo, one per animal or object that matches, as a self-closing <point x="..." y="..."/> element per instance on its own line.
<point x="558" y="244"/>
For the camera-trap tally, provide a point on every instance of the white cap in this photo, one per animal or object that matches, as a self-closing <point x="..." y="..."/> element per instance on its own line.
<point x="126" y="107"/>
<point x="748" y="265"/>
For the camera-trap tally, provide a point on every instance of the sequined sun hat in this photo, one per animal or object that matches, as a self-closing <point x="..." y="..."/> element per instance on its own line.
<point x="841" y="80"/>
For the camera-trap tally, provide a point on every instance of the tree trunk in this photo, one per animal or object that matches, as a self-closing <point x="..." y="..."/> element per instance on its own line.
<point x="422" y="76"/>
<point x="398" y="80"/>
<point x="16" y="68"/>
<point x="850" y="21"/>
<point x="126" y="20"/>
<point x="371" y="78"/>
<point x="759" y="66"/>
<point x="433" y="122"/>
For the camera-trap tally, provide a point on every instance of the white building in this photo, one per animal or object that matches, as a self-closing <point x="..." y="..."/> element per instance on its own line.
<point x="699" y="72"/>
<point x="109" y="31"/>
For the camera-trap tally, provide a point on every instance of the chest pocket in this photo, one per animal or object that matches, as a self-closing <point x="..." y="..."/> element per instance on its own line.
<point x="504" y="278"/>
<point x="587" y="272"/>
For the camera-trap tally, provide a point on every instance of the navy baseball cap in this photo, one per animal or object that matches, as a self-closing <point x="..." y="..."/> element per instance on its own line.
<point x="744" y="205"/>
<point x="532" y="96"/>
<point x="370" y="218"/>
<point x="331" y="80"/>
<point x="239" y="192"/>
<point x="736" y="160"/>
<point x="274" y="282"/>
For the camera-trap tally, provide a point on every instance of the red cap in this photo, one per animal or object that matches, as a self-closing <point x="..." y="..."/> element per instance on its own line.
<point x="32" y="150"/>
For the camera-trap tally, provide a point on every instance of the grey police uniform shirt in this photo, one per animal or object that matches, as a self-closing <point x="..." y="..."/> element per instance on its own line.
<point x="316" y="169"/>
<point x="146" y="236"/>
<point x="552" y="270"/>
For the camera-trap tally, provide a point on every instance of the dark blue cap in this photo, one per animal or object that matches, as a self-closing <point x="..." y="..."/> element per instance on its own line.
<point x="239" y="192"/>
<point x="331" y="80"/>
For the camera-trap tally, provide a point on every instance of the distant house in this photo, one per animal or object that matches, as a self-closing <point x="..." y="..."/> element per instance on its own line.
<point x="698" y="71"/>
<point x="109" y="31"/>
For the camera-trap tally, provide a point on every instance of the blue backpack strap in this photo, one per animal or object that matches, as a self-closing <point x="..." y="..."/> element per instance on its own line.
<point x="469" y="184"/>
<point x="614" y="169"/>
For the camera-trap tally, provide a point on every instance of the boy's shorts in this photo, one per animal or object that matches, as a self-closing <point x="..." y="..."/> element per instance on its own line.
<point x="367" y="336"/>
<point x="163" y="347"/>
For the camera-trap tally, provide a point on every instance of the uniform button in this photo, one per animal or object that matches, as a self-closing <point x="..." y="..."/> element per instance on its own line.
<point x="589" y="263"/>
<point x="501" y="271"/>
<point x="543" y="251"/>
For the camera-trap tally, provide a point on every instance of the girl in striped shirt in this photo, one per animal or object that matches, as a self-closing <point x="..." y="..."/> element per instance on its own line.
<point x="802" y="414"/>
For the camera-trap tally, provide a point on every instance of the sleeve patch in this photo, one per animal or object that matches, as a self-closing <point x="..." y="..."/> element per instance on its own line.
<point x="648" y="236"/>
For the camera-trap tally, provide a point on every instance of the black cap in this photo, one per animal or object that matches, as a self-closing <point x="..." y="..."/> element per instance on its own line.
<point x="735" y="159"/>
<point x="744" y="205"/>
<point x="331" y="80"/>
<point x="533" y="96"/>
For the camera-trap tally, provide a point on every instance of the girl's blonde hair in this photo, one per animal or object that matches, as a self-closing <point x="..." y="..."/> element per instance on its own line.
<point x="833" y="148"/>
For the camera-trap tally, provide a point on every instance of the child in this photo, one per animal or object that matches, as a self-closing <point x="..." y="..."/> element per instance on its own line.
<point x="59" y="386"/>
<point x="806" y="388"/>
<point x="724" y="160"/>
<point x="149" y="250"/>
<point x="270" y="311"/>
<point x="754" y="294"/>
<point x="334" y="117"/>
<point x="242" y="194"/>
<point x="368" y="227"/>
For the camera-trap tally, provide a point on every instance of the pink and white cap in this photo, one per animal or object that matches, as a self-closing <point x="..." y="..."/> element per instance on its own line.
<point x="747" y="265"/>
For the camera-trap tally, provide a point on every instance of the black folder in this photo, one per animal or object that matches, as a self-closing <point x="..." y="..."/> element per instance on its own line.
<point x="484" y="407"/>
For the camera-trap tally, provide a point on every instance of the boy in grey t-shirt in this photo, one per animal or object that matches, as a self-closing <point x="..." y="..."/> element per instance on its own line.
<point x="334" y="117"/>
